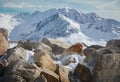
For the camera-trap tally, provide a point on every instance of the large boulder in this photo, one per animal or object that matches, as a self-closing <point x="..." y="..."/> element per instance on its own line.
<point x="107" y="68"/>
<point x="57" y="46"/>
<point x="91" y="59"/>
<point x="114" y="45"/>
<point x="12" y="55"/>
<point x="83" y="73"/>
<point x="21" y="71"/>
<point x="32" y="45"/>
<point x="42" y="59"/>
<point x="75" y="48"/>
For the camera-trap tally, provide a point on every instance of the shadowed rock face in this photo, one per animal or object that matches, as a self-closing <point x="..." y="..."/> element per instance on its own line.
<point x="83" y="73"/>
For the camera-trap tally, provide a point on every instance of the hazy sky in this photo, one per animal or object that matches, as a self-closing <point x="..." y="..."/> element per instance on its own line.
<point x="104" y="8"/>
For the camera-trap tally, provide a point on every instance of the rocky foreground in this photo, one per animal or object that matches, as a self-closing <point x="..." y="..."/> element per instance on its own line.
<point x="101" y="64"/>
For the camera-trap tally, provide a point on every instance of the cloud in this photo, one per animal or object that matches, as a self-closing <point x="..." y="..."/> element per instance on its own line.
<point x="99" y="4"/>
<point x="104" y="8"/>
<point x="20" y="5"/>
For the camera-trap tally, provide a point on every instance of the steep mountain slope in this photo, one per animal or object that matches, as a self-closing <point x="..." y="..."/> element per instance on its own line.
<point x="66" y="24"/>
<point x="54" y="26"/>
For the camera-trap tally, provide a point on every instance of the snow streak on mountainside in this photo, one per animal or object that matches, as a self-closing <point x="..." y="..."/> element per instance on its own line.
<point x="66" y="24"/>
<point x="7" y="21"/>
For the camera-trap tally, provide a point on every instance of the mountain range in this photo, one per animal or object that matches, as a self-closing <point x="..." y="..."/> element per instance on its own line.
<point x="65" y="24"/>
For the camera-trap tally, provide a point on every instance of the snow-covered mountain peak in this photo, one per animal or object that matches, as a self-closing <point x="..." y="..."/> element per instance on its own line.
<point x="66" y="24"/>
<point x="57" y="18"/>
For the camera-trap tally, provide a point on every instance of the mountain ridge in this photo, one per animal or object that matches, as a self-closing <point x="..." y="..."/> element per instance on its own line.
<point x="64" y="23"/>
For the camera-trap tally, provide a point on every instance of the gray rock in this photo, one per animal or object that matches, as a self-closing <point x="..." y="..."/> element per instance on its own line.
<point x="22" y="70"/>
<point x="90" y="49"/>
<point x="114" y="45"/>
<point x="107" y="68"/>
<point x="12" y="55"/>
<point x="91" y="59"/>
<point x="32" y="45"/>
<point x="13" y="78"/>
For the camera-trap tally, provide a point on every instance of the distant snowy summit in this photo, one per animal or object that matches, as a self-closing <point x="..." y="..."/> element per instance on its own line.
<point x="66" y="24"/>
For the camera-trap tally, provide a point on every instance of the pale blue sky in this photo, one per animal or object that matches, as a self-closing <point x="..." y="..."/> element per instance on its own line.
<point x="104" y="8"/>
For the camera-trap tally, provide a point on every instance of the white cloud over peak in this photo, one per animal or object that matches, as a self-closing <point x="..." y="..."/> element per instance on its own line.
<point x="20" y="5"/>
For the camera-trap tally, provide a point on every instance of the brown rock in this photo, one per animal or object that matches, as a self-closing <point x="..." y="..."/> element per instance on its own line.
<point x="63" y="73"/>
<point x="83" y="73"/>
<point x="50" y="76"/>
<point x="4" y="33"/>
<point x="57" y="46"/>
<point x="76" y="48"/>
<point x="44" y="60"/>
<point x="107" y="68"/>
<point x="3" y="44"/>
